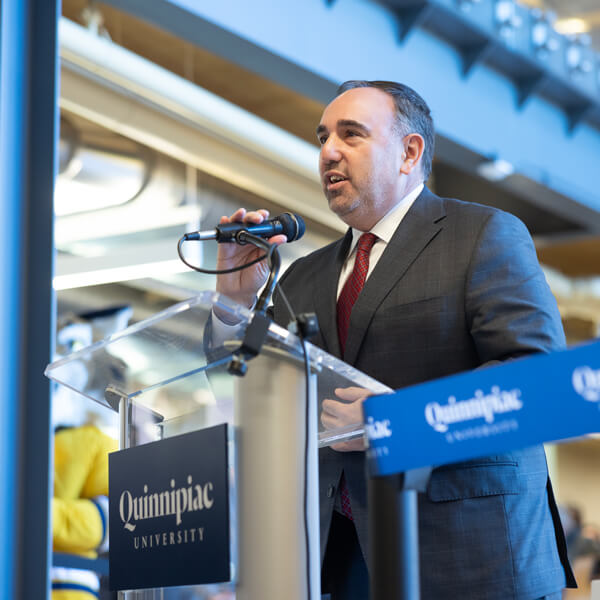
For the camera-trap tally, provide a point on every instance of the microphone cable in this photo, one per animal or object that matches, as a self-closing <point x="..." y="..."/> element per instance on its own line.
<point x="271" y="255"/>
<point x="182" y="239"/>
<point x="300" y="332"/>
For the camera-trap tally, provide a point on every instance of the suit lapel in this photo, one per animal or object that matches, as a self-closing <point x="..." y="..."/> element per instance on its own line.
<point x="420" y="225"/>
<point x="326" y="283"/>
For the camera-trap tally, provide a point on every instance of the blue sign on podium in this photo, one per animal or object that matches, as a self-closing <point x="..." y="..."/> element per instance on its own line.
<point x="546" y="397"/>
<point x="169" y="512"/>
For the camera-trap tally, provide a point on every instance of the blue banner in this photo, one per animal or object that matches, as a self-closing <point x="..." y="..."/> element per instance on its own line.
<point x="169" y="512"/>
<point x="487" y="411"/>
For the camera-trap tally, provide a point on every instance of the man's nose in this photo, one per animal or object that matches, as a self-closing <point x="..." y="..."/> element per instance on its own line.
<point x="330" y="150"/>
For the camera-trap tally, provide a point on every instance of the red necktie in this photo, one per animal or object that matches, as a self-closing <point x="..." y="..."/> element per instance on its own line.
<point x="354" y="284"/>
<point x="348" y="296"/>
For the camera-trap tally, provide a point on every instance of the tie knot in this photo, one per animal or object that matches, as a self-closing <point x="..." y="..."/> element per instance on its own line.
<point x="365" y="242"/>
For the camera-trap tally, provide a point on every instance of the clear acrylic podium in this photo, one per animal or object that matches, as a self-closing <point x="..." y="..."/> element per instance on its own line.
<point x="167" y="375"/>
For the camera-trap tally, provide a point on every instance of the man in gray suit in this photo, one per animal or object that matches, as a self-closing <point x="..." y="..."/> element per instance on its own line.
<point x="450" y="286"/>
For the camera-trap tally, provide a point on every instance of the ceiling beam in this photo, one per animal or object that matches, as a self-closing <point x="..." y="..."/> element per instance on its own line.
<point x="485" y="112"/>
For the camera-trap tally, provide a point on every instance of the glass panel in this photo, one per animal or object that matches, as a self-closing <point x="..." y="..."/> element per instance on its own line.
<point x="207" y="592"/>
<point x="152" y="354"/>
<point x="175" y="364"/>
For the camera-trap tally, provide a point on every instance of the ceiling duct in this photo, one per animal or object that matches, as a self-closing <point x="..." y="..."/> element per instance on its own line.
<point x="111" y="86"/>
<point x="97" y="171"/>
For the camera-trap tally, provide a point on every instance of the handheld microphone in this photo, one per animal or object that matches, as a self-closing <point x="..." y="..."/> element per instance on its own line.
<point x="289" y="224"/>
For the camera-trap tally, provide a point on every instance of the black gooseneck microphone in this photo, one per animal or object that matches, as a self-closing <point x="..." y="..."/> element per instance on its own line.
<point x="288" y="224"/>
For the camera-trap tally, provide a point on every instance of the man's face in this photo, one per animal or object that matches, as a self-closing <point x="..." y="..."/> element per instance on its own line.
<point x="361" y="156"/>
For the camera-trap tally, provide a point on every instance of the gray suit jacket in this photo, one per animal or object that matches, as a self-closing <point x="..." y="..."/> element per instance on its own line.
<point x="459" y="286"/>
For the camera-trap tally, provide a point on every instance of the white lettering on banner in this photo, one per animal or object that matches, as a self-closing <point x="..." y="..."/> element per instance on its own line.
<point x="377" y="430"/>
<point x="586" y="383"/>
<point x="176" y="501"/>
<point x="169" y="538"/>
<point x="378" y="452"/>
<point x="482" y="431"/>
<point x="481" y="406"/>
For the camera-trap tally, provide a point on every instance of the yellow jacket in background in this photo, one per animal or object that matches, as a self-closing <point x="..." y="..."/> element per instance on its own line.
<point x="79" y="506"/>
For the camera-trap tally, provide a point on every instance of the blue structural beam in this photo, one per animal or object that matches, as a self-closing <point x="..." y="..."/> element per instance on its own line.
<point x="313" y="45"/>
<point x="520" y="43"/>
<point x="28" y="137"/>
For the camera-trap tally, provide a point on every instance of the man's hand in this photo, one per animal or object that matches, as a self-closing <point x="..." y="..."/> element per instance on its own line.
<point x="346" y="411"/>
<point x="242" y="286"/>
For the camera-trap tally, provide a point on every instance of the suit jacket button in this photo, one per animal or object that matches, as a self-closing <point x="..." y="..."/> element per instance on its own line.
<point x="330" y="491"/>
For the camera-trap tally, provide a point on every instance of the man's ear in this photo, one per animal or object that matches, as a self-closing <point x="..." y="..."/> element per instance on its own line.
<point x="414" y="144"/>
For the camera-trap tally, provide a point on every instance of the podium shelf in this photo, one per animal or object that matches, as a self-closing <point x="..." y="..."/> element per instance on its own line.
<point x="174" y="364"/>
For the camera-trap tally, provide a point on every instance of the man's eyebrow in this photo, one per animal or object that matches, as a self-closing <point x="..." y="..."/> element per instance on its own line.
<point x="321" y="129"/>
<point x="353" y="123"/>
<point x="345" y="123"/>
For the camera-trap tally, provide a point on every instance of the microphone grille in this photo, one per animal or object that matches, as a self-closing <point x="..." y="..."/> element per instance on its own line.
<point x="293" y="226"/>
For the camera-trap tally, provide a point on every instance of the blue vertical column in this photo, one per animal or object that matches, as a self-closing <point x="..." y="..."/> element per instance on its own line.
<point x="28" y="139"/>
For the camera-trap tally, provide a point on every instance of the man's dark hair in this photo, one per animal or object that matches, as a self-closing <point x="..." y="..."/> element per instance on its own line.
<point x="412" y="113"/>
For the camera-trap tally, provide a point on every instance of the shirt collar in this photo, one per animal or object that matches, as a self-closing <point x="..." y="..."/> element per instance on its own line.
<point x="384" y="228"/>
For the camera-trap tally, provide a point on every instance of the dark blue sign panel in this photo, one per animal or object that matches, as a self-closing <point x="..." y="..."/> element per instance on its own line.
<point x="487" y="411"/>
<point x="169" y="512"/>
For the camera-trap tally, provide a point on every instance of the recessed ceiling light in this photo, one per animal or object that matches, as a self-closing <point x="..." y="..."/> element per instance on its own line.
<point x="571" y="26"/>
<point x="118" y="274"/>
<point x="495" y="170"/>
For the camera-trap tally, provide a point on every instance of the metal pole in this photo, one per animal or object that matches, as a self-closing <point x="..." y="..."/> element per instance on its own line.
<point x="28" y="139"/>
<point x="124" y="424"/>
<point x="408" y="536"/>
<point x="124" y="443"/>
<point x="394" y="540"/>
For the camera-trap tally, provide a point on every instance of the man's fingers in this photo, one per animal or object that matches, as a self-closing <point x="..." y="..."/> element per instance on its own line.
<point x="331" y="407"/>
<point x="278" y="239"/>
<point x="330" y="413"/>
<point x="241" y="215"/>
<point x="330" y="421"/>
<point x="238" y="215"/>
<point x="255" y="216"/>
<point x="327" y="421"/>
<point x="356" y="445"/>
<point x="350" y="394"/>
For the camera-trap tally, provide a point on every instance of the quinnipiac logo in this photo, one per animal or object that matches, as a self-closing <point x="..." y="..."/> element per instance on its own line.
<point x="586" y="382"/>
<point x="377" y="430"/>
<point x="163" y="506"/>
<point x="480" y="406"/>
<point x="171" y="502"/>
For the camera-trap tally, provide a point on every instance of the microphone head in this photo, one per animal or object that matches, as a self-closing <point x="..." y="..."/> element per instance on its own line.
<point x="293" y="226"/>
